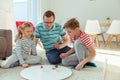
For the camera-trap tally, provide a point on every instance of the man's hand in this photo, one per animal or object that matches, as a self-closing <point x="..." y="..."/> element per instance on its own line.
<point x="56" y="45"/>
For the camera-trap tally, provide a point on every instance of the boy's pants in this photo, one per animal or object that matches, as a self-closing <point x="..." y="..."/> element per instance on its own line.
<point x="81" y="52"/>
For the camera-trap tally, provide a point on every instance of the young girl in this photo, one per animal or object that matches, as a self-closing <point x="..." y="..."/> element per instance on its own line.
<point x="25" y="50"/>
<point x="83" y="49"/>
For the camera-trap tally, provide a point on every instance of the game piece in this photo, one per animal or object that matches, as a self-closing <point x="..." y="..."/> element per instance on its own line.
<point x="53" y="68"/>
<point x="56" y="66"/>
<point x="73" y="67"/>
<point x="41" y="66"/>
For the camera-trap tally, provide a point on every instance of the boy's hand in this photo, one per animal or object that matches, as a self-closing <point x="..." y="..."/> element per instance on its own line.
<point x="79" y="66"/>
<point x="63" y="55"/>
<point x="25" y="65"/>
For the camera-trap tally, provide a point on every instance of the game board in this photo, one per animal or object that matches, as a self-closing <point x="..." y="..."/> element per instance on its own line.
<point x="46" y="72"/>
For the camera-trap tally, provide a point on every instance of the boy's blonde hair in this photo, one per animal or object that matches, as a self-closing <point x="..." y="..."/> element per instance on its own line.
<point x="72" y="24"/>
<point x="22" y="27"/>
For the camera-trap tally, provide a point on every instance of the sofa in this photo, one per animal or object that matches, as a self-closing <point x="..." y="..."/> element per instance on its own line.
<point x="5" y="43"/>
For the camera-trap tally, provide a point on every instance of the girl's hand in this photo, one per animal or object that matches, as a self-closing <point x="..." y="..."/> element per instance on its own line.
<point x="63" y="55"/>
<point x="25" y="65"/>
<point x="30" y="52"/>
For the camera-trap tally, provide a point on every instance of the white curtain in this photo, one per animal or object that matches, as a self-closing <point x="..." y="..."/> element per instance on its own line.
<point x="6" y="14"/>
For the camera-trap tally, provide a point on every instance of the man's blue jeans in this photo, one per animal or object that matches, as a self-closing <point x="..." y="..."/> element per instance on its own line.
<point x="54" y="55"/>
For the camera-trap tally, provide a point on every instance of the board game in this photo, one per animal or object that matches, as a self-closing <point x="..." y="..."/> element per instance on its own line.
<point x="46" y="72"/>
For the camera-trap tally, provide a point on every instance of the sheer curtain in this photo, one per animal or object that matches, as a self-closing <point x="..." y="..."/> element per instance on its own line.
<point x="6" y="14"/>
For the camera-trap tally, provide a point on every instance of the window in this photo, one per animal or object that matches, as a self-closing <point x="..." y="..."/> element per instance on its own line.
<point x="25" y="10"/>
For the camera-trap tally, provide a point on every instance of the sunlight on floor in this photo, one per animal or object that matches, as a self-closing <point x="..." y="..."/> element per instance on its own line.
<point x="108" y="51"/>
<point x="113" y="57"/>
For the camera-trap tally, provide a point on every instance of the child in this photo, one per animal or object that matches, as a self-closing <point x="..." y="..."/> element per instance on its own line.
<point x="83" y="50"/>
<point x="25" y="49"/>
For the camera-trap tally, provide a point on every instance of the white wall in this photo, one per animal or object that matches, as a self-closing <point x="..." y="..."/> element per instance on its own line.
<point x="84" y="9"/>
<point x="43" y="6"/>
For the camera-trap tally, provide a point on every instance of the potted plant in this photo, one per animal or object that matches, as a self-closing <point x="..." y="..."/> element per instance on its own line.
<point x="108" y="19"/>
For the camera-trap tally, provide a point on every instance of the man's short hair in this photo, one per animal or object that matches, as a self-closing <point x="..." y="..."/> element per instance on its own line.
<point x="49" y="13"/>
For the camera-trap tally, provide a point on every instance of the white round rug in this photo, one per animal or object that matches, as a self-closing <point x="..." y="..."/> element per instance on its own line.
<point x="46" y="72"/>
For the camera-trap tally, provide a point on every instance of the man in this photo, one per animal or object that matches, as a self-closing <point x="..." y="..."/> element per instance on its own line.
<point x="53" y="37"/>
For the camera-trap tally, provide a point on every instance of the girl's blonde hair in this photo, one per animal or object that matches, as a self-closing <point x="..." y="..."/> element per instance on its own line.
<point x="22" y="27"/>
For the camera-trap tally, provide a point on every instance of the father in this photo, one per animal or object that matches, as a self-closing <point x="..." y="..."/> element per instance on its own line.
<point x="53" y="37"/>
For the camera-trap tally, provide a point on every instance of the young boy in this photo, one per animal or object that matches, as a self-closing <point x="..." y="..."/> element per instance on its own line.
<point x="83" y="50"/>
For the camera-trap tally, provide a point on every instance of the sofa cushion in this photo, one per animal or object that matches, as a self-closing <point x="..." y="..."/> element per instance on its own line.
<point x="3" y="45"/>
